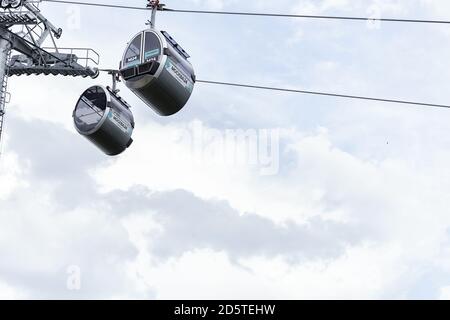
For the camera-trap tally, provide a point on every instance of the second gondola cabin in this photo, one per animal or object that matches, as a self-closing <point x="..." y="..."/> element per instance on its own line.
<point x="156" y="68"/>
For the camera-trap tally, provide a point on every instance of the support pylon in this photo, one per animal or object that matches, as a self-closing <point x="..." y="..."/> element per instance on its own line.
<point x="5" y="53"/>
<point x="33" y="58"/>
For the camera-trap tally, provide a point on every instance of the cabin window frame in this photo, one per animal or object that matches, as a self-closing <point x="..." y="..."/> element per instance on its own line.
<point x="97" y="109"/>
<point x="144" y="50"/>
<point x="140" y="56"/>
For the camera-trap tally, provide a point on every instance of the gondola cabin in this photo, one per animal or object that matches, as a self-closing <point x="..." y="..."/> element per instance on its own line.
<point x="104" y="119"/>
<point x="157" y="70"/>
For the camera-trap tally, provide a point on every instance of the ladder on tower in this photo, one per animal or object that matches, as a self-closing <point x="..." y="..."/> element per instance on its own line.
<point x="4" y="99"/>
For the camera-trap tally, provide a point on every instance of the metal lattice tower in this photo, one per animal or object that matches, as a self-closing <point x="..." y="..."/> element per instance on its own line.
<point x="5" y="53"/>
<point x="24" y="30"/>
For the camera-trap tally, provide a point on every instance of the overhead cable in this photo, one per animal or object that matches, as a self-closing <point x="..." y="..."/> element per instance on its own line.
<point x="318" y="93"/>
<point x="238" y="13"/>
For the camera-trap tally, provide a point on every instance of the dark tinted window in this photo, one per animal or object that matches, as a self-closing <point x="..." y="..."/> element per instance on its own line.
<point x="90" y="109"/>
<point x="152" y="47"/>
<point x="133" y="54"/>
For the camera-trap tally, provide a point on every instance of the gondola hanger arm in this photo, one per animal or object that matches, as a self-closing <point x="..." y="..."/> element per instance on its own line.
<point x="155" y="6"/>
<point x="115" y="78"/>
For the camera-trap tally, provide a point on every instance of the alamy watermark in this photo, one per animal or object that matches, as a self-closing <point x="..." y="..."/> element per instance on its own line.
<point x="73" y="21"/>
<point x="256" y="148"/>
<point x="374" y="17"/>
<point x="73" y="282"/>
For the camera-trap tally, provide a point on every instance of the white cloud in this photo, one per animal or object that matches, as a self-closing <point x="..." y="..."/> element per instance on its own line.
<point x="10" y="175"/>
<point x="10" y="293"/>
<point x="445" y="293"/>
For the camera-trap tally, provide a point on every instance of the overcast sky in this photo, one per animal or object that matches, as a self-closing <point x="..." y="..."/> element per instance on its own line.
<point x="352" y="202"/>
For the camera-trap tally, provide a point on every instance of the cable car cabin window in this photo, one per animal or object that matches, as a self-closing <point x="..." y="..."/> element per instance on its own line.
<point x="152" y="47"/>
<point x="133" y="54"/>
<point x="90" y="109"/>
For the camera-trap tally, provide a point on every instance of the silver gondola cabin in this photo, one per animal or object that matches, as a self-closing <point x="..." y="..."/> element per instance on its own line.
<point x="156" y="69"/>
<point x="104" y="119"/>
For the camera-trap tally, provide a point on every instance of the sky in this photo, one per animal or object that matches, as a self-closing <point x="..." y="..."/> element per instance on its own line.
<point x="244" y="194"/>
